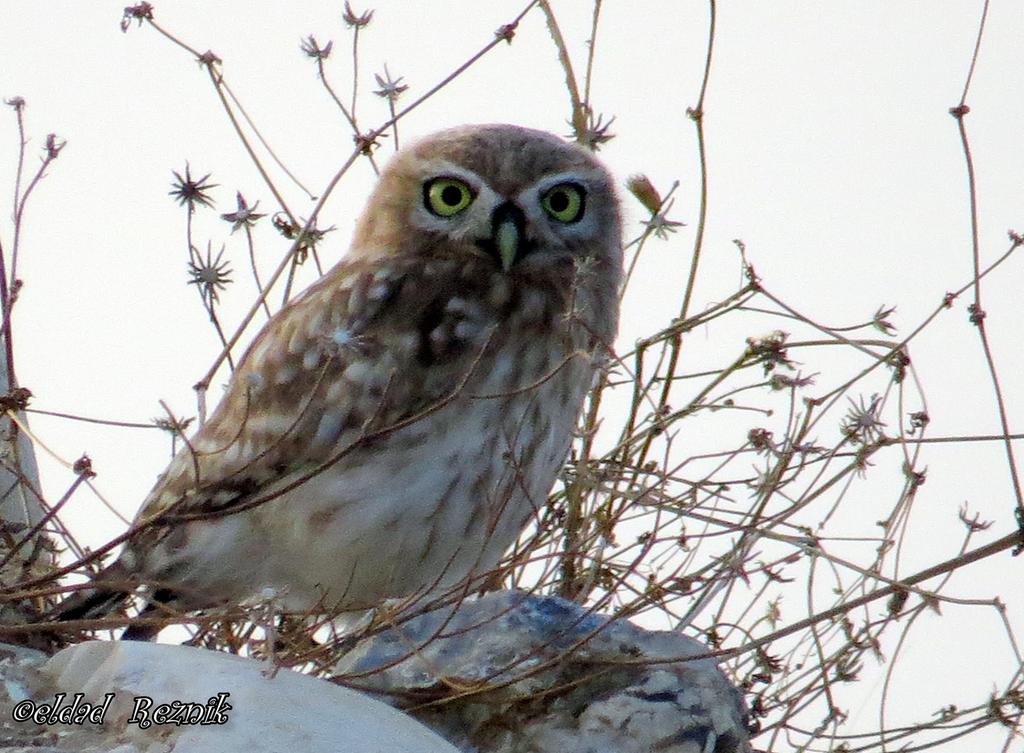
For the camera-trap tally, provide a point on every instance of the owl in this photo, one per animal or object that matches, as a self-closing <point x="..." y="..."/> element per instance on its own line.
<point x="392" y="430"/>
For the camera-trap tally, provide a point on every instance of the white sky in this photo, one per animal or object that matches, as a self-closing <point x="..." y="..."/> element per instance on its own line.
<point x="831" y="155"/>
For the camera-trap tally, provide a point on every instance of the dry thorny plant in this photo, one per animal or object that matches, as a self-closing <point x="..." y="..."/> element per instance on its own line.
<point x="718" y="543"/>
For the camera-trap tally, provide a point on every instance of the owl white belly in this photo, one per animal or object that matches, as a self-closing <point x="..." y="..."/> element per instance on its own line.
<point x="438" y="501"/>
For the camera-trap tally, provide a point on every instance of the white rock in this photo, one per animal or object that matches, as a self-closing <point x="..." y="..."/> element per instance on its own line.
<point x="287" y="712"/>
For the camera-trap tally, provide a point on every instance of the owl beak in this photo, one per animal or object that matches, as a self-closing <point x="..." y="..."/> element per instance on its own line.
<point x="507" y="243"/>
<point x="506" y="239"/>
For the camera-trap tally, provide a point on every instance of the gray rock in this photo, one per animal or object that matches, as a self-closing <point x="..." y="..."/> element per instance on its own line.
<point x="515" y="673"/>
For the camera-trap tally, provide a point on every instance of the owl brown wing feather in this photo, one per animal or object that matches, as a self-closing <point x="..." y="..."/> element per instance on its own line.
<point x="367" y="347"/>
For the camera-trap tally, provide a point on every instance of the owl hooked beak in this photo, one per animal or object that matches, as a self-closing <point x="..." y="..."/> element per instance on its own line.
<point x="508" y="242"/>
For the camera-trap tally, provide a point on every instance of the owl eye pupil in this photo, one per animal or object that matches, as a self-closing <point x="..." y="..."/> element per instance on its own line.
<point x="451" y="195"/>
<point x="446" y="197"/>
<point x="564" y="202"/>
<point x="559" y="201"/>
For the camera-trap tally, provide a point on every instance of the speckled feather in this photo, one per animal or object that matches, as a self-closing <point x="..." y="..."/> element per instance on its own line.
<point x="393" y="428"/>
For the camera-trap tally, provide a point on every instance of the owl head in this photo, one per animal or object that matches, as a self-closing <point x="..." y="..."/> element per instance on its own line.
<point x="524" y="199"/>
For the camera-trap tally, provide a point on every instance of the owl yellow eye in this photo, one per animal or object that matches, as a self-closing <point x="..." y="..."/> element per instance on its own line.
<point x="564" y="202"/>
<point x="446" y="197"/>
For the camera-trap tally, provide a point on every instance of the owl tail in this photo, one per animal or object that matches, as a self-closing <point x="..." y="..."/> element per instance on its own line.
<point x="96" y="602"/>
<point x="90" y="603"/>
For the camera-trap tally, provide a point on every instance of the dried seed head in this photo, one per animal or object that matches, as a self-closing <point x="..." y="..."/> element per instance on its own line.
<point x="645" y="192"/>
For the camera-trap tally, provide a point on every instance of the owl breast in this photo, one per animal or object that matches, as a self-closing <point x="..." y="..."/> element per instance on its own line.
<point x="443" y="498"/>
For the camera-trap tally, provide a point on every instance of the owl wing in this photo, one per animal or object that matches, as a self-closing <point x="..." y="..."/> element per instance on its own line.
<point x="363" y="352"/>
